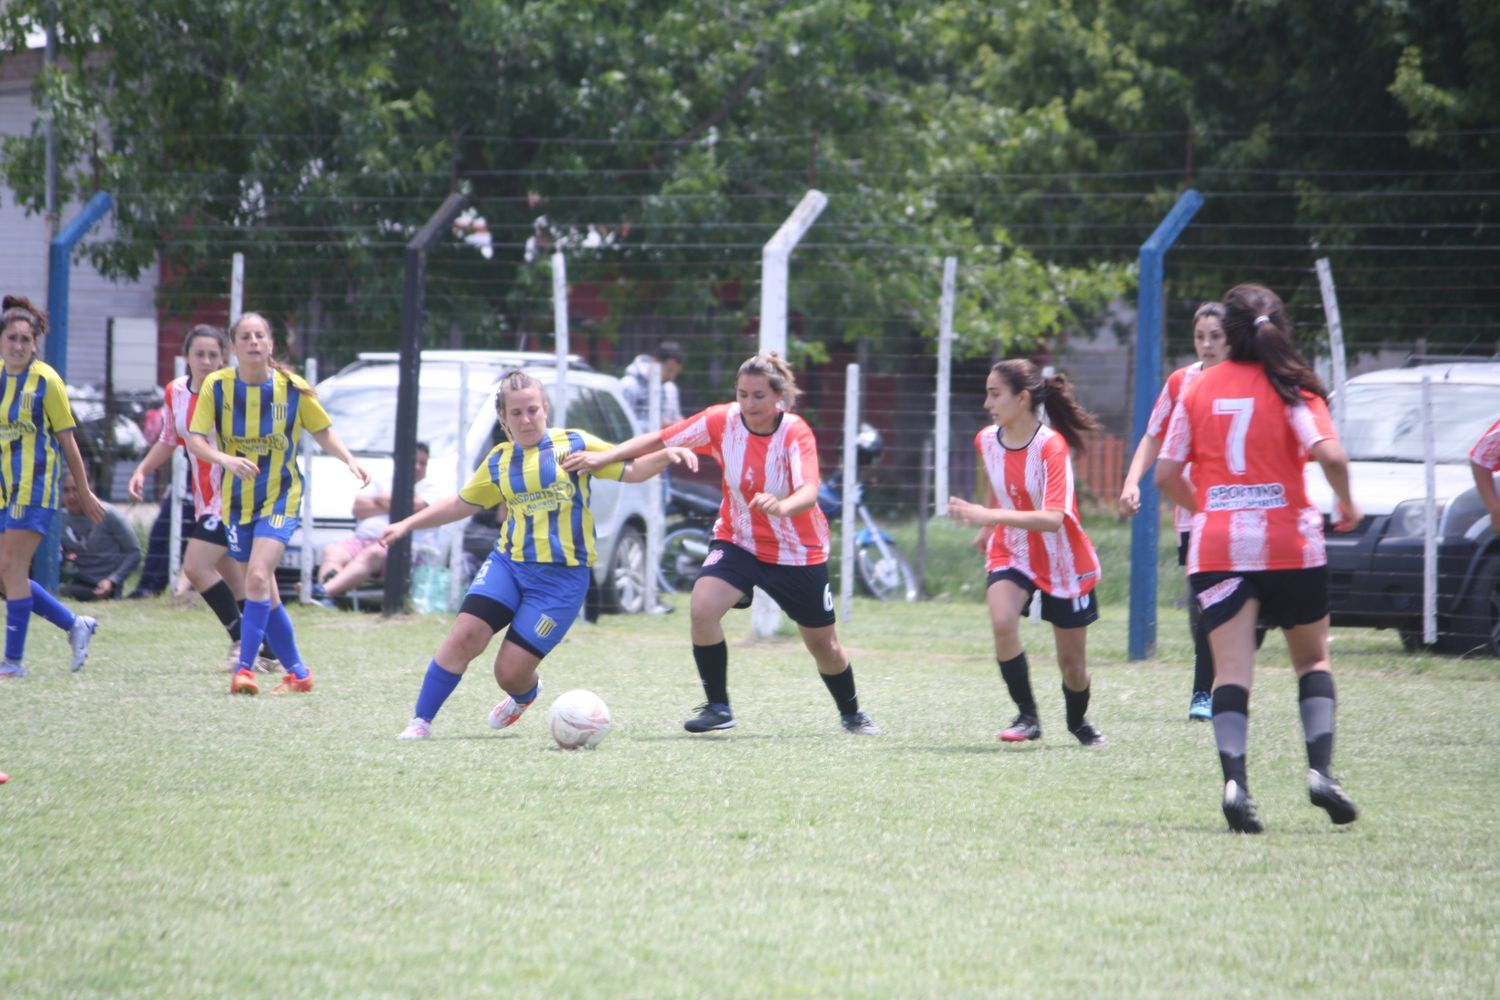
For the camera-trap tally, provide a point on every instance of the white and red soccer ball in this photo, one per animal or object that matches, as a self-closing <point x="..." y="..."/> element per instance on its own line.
<point x="578" y="719"/>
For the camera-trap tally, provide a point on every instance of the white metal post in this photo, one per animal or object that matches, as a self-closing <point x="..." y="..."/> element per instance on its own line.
<point x="560" y="332"/>
<point x="1335" y="340"/>
<point x="656" y="507"/>
<point x="775" y="261"/>
<point x="775" y="269"/>
<point x="177" y="491"/>
<point x="304" y="588"/>
<point x="460" y="479"/>
<point x="1429" y="519"/>
<point x="942" y="422"/>
<point x="236" y="288"/>
<point x="850" y="496"/>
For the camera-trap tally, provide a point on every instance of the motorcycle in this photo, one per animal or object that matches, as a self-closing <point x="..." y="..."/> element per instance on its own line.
<point x="692" y="508"/>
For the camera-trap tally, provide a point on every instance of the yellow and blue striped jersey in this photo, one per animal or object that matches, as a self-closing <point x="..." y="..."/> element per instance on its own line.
<point x="262" y="423"/>
<point x="33" y="409"/>
<point x="548" y="518"/>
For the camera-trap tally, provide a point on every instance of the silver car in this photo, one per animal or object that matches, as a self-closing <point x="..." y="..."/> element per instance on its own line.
<point x="456" y="419"/>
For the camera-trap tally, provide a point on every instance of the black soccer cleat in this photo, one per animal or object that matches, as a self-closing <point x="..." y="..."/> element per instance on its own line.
<point x="711" y="717"/>
<point x="1089" y="736"/>
<point x="1025" y="727"/>
<point x="1326" y="793"/>
<point x="860" y="724"/>
<point x="1239" y="809"/>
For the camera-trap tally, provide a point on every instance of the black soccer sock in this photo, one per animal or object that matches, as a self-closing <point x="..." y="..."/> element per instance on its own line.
<point x="1017" y="676"/>
<point x="1232" y="730"/>
<point x="713" y="671"/>
<point x="1203" y="653"/>
<point x="1077" y="703"/>
<point x="220" y="599"/>
<point x="841" y="686"/>
<point x="1318" y="702"/>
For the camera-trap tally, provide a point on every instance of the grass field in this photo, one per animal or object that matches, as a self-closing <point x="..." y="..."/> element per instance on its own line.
<point x="163" y="838"/>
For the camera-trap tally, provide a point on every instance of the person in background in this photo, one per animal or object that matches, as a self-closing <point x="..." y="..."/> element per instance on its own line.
<point x="770" y="533"/>
<point x="636" y="384"/>
<point x="360" y="558"/>
<point x="36" y="439"/>
<point x="1484" y="462"/>
<point x="1208" y="341"/>
<point x="1033" y="540"/>
<point x="1256" y="547"/>
<point x="97" y="555"/>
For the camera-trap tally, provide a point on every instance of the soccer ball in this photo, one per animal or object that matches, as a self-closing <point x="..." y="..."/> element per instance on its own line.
<point x="578" y="719"/>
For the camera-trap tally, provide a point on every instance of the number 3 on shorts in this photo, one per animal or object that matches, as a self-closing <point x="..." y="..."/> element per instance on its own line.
<point x="827" y="597"/>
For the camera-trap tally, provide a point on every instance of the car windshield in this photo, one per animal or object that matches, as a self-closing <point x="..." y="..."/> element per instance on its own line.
<point x="365" y="417"/>
<point x="1383" y="420"/>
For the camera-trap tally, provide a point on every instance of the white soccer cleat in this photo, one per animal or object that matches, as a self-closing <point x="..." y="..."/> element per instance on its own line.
<point x="79" y="637"/>
<point x="509" y="710"/>
<point x="416" y="729"/>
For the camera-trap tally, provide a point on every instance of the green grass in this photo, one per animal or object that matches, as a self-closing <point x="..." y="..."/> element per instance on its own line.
<point x="163" y="838"/>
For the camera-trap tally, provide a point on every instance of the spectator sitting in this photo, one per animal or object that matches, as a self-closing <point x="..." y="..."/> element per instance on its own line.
<point x="96" y="557"/>
<point x="360" y="558"/>
<point x="636" y="381"/>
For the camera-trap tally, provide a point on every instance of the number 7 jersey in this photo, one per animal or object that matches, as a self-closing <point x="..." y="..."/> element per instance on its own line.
<point x="1247" y="448"/>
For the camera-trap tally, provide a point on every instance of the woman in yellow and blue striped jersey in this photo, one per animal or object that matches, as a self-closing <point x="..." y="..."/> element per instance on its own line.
<point x="535" y="580"/>
<point x="36" y="430"/>
<point x="257" y="416"/>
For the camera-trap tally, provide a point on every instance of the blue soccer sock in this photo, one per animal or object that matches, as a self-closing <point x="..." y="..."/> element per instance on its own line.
<point x="17" y="618"/>
<point x="50" y="608"/>
<point x="529" y="696"/>
<point x="436" y="687"/>
<point x="282" y="639"/>
<point x="252" y="631"/>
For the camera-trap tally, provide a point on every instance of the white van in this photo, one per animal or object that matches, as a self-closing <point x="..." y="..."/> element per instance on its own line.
<point x="456" y="419"/>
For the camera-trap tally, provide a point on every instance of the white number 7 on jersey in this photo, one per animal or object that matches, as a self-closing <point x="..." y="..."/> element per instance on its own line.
<point x="1239" y="428"/>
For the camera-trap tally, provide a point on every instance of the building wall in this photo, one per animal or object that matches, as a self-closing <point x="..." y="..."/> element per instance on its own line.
<point x="23" y="250"/>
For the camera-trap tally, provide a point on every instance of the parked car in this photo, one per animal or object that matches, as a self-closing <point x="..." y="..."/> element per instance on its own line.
<point x="456" y="418"/>
<point x="1375" y="572"/>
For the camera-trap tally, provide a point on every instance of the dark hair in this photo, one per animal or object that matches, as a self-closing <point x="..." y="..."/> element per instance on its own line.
<point x="1258" y="331"/>
<point x="1052" y="393"/>
<point x="669" y="350"/>
<point x="776" y="371"/>
<point x="205" y="330"/>
<point x="422" y="446"/>
<point x="302" y="385"/>
<point x="1205" y="309"/>
<point x="18" y="309"/>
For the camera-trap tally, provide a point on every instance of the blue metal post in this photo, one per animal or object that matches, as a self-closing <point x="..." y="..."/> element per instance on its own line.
<point x="59" y="268"/>
<point x="1148" y="357"/>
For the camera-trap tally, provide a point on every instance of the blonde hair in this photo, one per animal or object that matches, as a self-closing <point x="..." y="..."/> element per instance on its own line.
<point x="777" y="372"/>
<point x="514" y="381"/>
<point x="297" y="380"/>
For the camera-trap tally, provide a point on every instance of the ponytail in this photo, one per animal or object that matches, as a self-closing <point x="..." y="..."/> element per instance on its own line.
<point x="1258" y="331"/>
<point x="1053" y="393"/>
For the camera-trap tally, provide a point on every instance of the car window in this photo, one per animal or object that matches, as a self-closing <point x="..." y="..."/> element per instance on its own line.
<point x="616" y="424"/>
<point x="1383" y="420"/>
<point x="583" y="410"/>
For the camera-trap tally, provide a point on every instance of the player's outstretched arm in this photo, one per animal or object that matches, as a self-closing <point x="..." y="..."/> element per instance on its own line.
<point x="446" y="511"/>
<point x="155" y="458"/>
<point x="329" y="441"/>
<point x="644" y="468"/>
<point x="979" y="516"/>
<point x="592" y="461"/>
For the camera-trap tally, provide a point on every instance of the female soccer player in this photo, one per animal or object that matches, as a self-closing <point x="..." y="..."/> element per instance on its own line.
<point x="1208" y="341"/>
<point x="534" y="582"/>
<point x="207" y="563"/>
<point x="1484" y="462"/>
<point x="249" y="424"/>
<point x="1035" y="540"/>
<point x="36" y="428"/>
<point x="1256" y="547"/>
<point x="770" y="532"/>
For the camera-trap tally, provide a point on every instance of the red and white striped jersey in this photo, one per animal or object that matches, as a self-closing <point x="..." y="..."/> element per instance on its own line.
<point x="1486" y="451"/>
<point x="1248" y="448"/>
<point x="1038" y="477"/>
<point x="205" y="477"/>
<point x="777" y="463"/>
<point x="1156" y="426"/>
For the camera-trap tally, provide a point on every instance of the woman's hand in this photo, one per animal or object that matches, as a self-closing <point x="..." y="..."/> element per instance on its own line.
<point x="359" y="471"/>
<point x="241" y="467"/>
<point x="588" y="462"/>
<point x="1346" y="517"/>
<point x="93" y="509"/>
<point x="137" y="485"/>
<point x="678" y="456"/>
<point x="393" y="533"/>
<point x="1130" y="500"/>
<point x="769" y="504"/>
<point x="965" y="512"/>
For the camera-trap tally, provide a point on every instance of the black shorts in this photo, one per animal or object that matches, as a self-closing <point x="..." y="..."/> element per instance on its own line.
<point x="210" y="529"/>
<point x="1064" y="612"/>
<point x="801" y="591"/>
<point x="1182" y="546"/>
<point x="1288" y="597"/>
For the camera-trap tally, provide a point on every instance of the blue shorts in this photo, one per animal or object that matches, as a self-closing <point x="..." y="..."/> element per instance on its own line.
<point x="27" y="518"/>
<point x="545" y="598"/>
<point x="242" y="536"/>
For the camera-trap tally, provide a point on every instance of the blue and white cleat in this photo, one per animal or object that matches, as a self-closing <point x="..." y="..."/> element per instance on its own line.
<point x="79" y="637"/>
